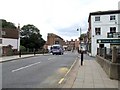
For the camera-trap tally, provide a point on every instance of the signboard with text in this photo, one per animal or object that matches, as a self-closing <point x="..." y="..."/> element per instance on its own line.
<point x="112" y="41"/>
<point x="113" y="35"/>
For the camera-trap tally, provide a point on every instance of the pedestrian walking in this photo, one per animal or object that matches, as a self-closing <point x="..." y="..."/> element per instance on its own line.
<point x="81" y="56"/>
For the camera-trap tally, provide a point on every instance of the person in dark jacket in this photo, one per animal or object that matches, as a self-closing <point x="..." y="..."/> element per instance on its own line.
<point x="81" y="57"/>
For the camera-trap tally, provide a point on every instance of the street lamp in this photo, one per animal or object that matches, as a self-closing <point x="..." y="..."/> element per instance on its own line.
<point x="18" y="40"/>
<point x="79" y="37"/>
<point x="80" y="32"/>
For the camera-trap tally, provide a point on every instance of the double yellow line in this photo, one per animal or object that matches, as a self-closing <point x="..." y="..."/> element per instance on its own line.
<point x="62" y="79"/>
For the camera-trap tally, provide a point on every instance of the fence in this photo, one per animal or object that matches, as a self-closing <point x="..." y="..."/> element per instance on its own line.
<point x="12" y="52"/>
<point x="111" y="54"/>
<point x="109" y="59"/>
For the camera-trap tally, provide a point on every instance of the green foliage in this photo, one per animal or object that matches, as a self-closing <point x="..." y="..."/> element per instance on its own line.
<point x="82" y="36"/>
<point x="28" y="30"/>
<point x="22" y="48"/>
<point x="10" y="52"/>
<point x="31" y="38"/>
<point x="6" y="24"/>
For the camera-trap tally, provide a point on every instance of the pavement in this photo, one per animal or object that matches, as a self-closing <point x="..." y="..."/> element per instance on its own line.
<point x="91" y="75"/>
<point x="16" y="57"/>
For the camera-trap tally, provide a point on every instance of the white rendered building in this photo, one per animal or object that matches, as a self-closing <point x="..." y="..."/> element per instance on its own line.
<point x="102" y="23"/>
<point x="10" y="38"/>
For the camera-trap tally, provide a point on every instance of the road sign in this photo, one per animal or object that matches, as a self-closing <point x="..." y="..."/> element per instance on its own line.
<point x="112" y="41"/>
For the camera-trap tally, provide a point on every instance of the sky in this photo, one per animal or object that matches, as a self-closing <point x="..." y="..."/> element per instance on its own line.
<point x="61" y="17"/>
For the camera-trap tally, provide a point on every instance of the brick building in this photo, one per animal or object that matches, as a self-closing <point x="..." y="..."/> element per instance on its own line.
<point x="72" y="45"/>
<point x="53" y="39"/>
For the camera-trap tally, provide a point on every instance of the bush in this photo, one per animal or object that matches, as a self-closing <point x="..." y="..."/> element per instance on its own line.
<point x="10" y="52"/>
<point x="22" y="48"/>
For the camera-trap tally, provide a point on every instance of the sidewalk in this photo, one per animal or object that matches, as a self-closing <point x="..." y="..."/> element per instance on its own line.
<point x="91" y="75"/>
<point x="15" y="57"/>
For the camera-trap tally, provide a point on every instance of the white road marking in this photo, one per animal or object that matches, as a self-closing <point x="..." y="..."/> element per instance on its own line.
<point x="25" y="67"/>
<point x="51" y="58"/>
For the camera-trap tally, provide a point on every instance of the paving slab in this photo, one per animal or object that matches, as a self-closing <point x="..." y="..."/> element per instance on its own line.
<point x="91" y="75"/>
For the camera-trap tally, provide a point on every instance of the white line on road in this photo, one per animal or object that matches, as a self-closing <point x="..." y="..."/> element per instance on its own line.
<point x="51" y="58"/>
<point x="25" y="67"/>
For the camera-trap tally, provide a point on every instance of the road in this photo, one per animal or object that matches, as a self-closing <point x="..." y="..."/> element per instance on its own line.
<point x="43" y="71"/>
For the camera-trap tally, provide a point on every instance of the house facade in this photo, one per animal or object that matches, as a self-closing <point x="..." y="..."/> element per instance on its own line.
<point x="10" y="41"/>
<point x="53" y="39"/>
<point x="0" y="42"/>
<point x="72" y="44"/>
<point x="101" y="24"/>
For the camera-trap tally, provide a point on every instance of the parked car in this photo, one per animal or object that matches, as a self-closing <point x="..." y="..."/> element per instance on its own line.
<point x="57" y="49"/>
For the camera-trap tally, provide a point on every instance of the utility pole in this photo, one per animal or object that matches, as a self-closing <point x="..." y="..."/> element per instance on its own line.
<point x="18" y="40"/>
<point x="79" y="36"/>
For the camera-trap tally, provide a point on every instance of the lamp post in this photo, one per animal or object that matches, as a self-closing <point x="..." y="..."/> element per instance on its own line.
<point x="18" y="40"/>
<point x="79" y="29"/>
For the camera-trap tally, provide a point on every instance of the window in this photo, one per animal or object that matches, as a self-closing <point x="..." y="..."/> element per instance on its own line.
<point x="97" y="31"/>
<point x="112" y="29"/>
<point x="112" y="17"/>
<point x="97" y="18"/>
<point x="0" y="33"/>
<point x="0" y="41"/>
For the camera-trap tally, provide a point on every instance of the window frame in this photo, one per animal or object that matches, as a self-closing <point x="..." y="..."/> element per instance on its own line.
<point x="112" y="17"/>
<point x="97" y="30"/>
<point x="0" y="41"/>
<point x="97" y="18"/>
<point x="114" y="29"/>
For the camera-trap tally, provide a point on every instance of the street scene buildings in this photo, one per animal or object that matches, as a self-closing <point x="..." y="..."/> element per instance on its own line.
<point x="10" y="41"/>
<point x="102" y="26"/>
<point x="92" y="60"/>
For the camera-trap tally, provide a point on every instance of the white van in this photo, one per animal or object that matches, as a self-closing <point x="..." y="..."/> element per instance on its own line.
<point x="57" y="49"/>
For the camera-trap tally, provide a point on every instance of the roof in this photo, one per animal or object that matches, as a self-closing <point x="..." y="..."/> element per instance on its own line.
<point x="104" y="13"/>
<point x="10" y="33"/>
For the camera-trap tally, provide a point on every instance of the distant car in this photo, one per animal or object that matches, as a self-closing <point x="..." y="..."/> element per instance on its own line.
<point x="57" y="49"/>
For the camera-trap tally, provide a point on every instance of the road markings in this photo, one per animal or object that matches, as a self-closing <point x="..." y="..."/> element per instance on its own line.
<point x="51" y="58"/>
<point x="70" y="68"/>
<point x="25" y="67"/>
<point x="61" y="80"/>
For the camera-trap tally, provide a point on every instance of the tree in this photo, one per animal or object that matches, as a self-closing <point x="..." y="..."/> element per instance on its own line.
<point x="8" y="25"/>
<point x="31" y="37"/>
<point x="82" y="36"/>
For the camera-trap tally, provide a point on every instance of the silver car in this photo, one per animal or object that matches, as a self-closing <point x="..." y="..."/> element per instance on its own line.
<point x="57" y="49"/>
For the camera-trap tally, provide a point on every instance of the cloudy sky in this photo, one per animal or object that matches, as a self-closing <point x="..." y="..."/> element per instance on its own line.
<point x="61" y="17"/>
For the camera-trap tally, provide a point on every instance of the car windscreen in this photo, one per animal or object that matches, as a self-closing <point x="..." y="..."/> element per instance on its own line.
<point x="55" y="47"/>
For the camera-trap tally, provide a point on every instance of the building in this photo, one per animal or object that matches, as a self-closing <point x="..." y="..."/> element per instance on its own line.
<point x="0" y="42"/>
<point x="73" y="44"/>
<point x="101" y="24"/>
<point x="53" y="39"/>
<point x="10" y="41"/>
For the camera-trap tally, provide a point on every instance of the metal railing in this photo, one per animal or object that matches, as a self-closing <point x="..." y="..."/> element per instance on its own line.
<point x="111" y="54"/>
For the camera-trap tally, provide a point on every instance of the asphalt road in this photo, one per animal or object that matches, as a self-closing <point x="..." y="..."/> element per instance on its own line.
<point x="36" y="72"/>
